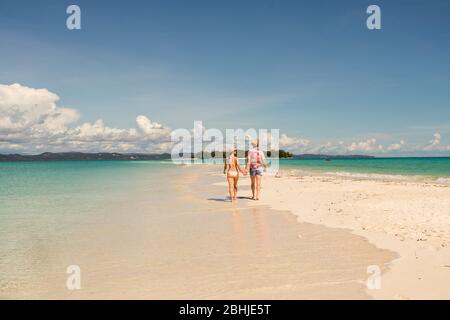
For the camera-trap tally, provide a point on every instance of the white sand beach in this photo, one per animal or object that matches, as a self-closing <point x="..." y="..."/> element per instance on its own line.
<point x="408" y="217"/>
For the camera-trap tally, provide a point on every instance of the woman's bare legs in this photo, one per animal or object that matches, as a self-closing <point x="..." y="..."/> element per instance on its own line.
<point x="235" y="183"/>
<point x="253" y="179"/>
<point x="258" y="186"/>
<point x="231" y="187"/>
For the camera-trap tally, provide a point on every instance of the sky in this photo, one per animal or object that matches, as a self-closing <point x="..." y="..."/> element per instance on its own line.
<point x="138" y="69"/>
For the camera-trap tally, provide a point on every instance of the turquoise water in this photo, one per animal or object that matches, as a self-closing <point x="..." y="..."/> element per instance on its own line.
<point x="427" y="167"/>
<point x="46" y="187"/>
<point x="42" y="204"/>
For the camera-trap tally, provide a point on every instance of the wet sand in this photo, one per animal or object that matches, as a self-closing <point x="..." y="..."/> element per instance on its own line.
<point x="188" y="243"/>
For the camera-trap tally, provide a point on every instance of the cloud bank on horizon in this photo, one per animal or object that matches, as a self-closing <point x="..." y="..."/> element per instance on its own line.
<point x="32" y="122"/>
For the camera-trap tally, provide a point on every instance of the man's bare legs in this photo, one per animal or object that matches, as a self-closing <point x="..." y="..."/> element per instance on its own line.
<point x="258" y="186"/>
<point x="253" y="180"/>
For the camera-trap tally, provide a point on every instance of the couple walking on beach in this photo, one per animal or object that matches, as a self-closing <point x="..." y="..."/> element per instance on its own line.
<point x="255" y="163"/>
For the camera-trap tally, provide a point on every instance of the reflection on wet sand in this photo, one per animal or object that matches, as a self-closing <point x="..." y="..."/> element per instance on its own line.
<point x="262" y="228"/>
<point x="238" y="233"/>
<point x="256" y="226"/>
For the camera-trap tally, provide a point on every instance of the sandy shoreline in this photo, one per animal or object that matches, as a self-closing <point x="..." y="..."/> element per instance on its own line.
<point x="187" y="242"/>
<point x="182" y="239"/>
<point x="407" y="217"/>
<point x="295" y="260"/>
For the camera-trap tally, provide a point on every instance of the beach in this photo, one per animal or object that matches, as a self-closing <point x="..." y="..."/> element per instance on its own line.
<point x="401" y="214"/>
<point x="160" y="231"/>
<point x="151" y="230"/>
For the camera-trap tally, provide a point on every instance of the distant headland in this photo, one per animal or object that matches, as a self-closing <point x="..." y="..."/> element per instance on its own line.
<point x="78" y="156"/>
<point x="81" y="156"/>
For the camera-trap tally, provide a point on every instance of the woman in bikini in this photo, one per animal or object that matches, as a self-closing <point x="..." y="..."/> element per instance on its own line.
<point x="232" y="168"/>
<point x="256" y="162"/>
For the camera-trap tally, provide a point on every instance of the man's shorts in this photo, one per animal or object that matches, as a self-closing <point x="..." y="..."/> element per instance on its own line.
<point x="256" y="172"/>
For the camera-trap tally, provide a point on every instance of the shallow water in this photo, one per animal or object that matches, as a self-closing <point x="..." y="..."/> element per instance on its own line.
<point x="43" y="204"/>
<point x="146" y="230"/>
<point x="437" y="168"/>
<point x="434" y="168"/>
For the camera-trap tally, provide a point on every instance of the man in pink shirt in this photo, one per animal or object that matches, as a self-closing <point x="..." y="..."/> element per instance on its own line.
<point x="256" y="163"/>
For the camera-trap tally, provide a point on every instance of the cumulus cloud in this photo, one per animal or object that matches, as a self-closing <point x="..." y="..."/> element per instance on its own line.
<point x="324" y="148"/>
<point x="436" y="139"/>
<point x="146" y="125"/>
<point x="365" y="146"/>
<point x="368" y="146"/>
<point x="32" y="111"/>
<point x="30" y="120"/>
<point x="292" y="143"/>
<point x="435" y="144"/>
<point x="395" y="146"/>
<point x="285" y="142"/>
<point x="374" y="147"/>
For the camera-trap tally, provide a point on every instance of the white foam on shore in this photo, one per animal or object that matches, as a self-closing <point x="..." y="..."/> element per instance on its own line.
<point x="442" y="180"/>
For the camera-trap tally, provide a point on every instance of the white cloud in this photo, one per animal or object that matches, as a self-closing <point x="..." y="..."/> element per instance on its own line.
<point x="146" y="125"/>
<point x="435" y="144"/>
<point x="30" y="120"/>
<point x="324" y="148"/>
<point x="365" y="146"/>
<point x="395" y="146"/>
<point x="436" y="139"/>
<point x="34" y="111"/>
<point x="373" y="147"/>
<point x="292" y="143"/>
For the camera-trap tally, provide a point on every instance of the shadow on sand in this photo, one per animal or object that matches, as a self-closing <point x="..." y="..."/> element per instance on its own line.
<point x="246" y="198"/>
<point x="228" y="200"/>
<point x="219" y="199"/>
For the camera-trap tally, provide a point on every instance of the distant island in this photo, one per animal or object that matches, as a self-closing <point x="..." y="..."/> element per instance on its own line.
<point x="77" y="156"/>
<point x="80" y="156"/>
<point x="326" y="156"/>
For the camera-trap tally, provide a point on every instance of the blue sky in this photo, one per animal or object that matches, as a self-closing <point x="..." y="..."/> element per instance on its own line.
<point x="310" y="68"/>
